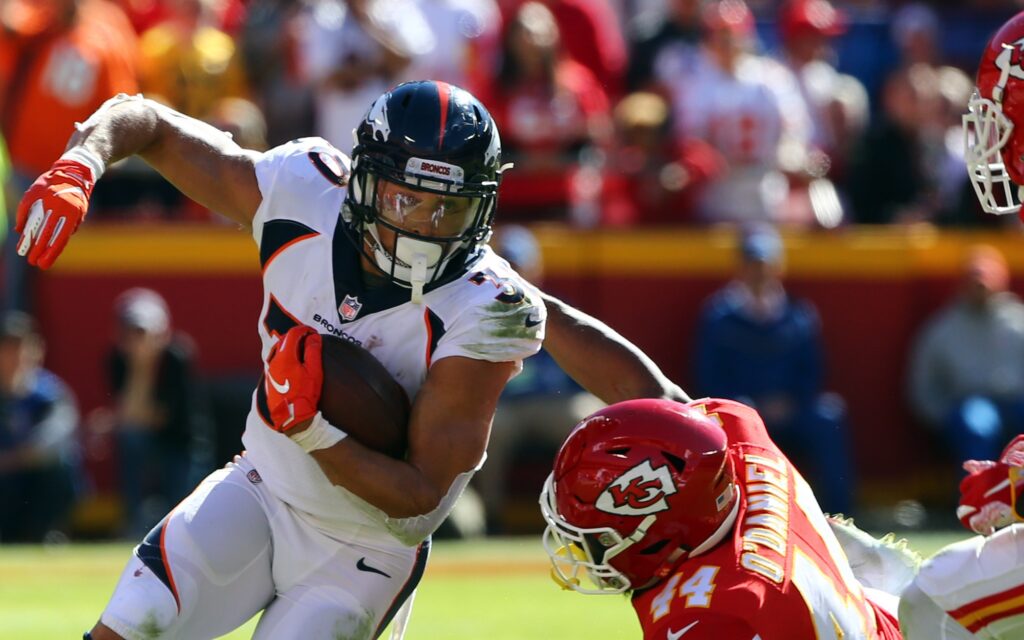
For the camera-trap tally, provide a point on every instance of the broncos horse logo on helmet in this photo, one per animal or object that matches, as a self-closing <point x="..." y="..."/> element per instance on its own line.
<point x="435" y="138"/>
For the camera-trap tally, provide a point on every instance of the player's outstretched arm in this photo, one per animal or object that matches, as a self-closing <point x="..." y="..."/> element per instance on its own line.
<point x="201" y="161"/>
<point x="601" y="360"/>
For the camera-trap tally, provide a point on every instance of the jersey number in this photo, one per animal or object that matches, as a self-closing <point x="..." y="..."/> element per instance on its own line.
<point x="697" y="590"/>
<point x="509" y="292"/>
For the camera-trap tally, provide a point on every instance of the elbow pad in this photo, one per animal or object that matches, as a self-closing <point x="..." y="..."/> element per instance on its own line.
<point x="415" y="529"/>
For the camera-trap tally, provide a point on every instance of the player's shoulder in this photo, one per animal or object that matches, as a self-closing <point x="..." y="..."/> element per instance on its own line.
<point x="302" y="183"/>
<point x="742" y="423"/>
<point x="490" y="286"/>
<point x="494" y="312"/>
<point x="307" y="160"/>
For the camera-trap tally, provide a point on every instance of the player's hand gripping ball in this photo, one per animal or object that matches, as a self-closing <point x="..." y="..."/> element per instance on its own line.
<point x="293" y="378"/>
<point x="307" y="372"/>
<point x="51" y="210"/>
<point x="989" y="493"/>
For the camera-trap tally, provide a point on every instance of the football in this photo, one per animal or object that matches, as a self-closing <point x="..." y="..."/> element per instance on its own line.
<point x="360" y="397"/>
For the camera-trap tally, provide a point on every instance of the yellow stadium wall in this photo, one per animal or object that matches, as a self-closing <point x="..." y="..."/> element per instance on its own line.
<point x="873" y="288"/>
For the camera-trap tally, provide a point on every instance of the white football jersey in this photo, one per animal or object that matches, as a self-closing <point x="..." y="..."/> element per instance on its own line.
<point x="312" y="276"/>
<point x="970" y="589"/>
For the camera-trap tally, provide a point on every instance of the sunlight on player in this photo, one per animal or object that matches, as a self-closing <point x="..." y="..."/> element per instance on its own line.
<point x="693" y="511"/>
<point x="321" y="534"/>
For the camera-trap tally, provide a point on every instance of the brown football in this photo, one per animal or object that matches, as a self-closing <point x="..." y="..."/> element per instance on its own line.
<point x="360" y="397"/>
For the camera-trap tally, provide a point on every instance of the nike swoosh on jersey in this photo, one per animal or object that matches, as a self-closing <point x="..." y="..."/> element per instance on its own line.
<point x="675" y="635"/>
<point x="533" y="319"/>
<point x="362" y="566"/>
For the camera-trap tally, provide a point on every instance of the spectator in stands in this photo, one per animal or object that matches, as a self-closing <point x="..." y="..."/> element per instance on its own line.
<point x="746" y="106"/>
<point x="664" y="44"/>
<point x="269" y="43"/>
<point x="538" y="407"/>
<point x="757" y="345"/>
<point x="152" y="380"/>
<point x="59" y="61"/>
<point x="591" y="35"/>
<point x="650" y="176"/>
<point x="354" y="50"/>
<point x="916" y="30"/>
<point x="188" y="63"/>
<point x="552" y="113"/>
<point x="966" y="377"/>
<point x="468" y="37"/>
<point x="837" y="104"/>
<point x="39" y="463"/>
<point x="889" y="180"/>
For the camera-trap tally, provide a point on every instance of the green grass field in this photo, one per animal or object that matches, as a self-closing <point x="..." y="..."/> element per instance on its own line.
<point x="496" y="589"/>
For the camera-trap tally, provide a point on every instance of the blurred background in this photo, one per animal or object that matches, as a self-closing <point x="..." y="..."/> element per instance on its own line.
<point x="768" y="198"/>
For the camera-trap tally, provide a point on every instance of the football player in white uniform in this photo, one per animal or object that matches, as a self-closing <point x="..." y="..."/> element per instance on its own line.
<point x="325" y="536"/>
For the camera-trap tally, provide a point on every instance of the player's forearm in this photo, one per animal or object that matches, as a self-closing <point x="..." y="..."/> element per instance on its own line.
<point x="396" y="487"/>
<point x="200" y="160"/>
<point x="602" y="361"/>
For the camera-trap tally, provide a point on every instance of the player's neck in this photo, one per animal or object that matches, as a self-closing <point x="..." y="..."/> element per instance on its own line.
<point x="373" y="277"/>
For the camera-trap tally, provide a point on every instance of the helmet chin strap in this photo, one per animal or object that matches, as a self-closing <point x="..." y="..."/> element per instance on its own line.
<point x="412" y="260"/>
<point x="419" y="277"/>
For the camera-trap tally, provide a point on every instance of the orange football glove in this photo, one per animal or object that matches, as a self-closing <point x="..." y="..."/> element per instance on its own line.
<point x="989" y="493"/>
<point x="51" y="210"/>
<point x="293" y="378"/>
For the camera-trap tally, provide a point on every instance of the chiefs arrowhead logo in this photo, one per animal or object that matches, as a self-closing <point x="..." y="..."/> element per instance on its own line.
<point x="1011" y="57"/>
<point x="640" y="491"/>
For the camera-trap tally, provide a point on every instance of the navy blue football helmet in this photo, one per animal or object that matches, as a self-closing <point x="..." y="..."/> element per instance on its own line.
<point x="428" y="137"/>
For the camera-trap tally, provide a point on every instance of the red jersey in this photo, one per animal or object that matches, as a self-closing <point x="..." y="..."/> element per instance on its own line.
<point x="781" y="576"/>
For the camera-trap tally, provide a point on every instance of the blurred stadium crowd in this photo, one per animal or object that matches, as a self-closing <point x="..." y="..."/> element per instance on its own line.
<point x="616" y="113"/>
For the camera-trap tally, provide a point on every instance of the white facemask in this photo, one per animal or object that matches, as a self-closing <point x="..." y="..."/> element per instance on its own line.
<point x="412" y="262"/>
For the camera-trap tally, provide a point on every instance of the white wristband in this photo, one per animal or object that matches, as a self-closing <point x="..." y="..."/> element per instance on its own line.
<point x="85" y="156"/>
<point x="320" y="434"/>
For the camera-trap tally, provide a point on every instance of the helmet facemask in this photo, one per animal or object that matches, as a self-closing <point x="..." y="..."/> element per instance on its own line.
<point x="986" y="132"/>
<point x="577" y="551"/>
<point x="458" y="223"/>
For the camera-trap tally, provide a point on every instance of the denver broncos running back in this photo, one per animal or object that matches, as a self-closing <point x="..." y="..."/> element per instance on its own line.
<point x="695" y="511"/>
<point x="326" y="537"/>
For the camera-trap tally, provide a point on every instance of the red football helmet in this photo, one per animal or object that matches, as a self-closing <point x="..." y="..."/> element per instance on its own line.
<point x="637" y="487"/>
<point x="993" y="150"/>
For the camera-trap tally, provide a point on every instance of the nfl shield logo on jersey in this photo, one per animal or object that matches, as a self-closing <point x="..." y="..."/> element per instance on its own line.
<point x="349" y="308"/>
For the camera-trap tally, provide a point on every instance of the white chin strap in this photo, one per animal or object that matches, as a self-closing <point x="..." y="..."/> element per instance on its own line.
<point x="411" y="262"/>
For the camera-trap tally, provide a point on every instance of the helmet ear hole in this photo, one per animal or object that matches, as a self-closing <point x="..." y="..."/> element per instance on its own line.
<point x="620" y="452"/>
<point x="677" y="463"/>
<point x="654" y="548"/>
